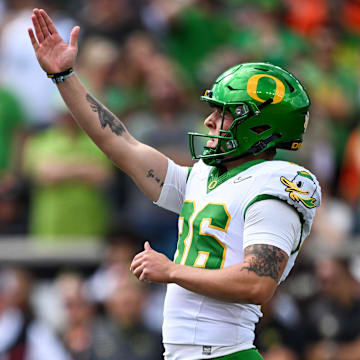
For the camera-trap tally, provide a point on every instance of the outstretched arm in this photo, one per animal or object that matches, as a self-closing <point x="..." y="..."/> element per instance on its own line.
<point x="145" y="165"/>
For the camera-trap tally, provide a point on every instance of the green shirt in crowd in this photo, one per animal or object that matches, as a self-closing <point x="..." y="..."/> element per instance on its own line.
<point x="11" y="117"/>
<point x="72" y="207"/>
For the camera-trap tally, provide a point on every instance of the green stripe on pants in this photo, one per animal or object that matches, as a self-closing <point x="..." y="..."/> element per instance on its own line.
<point x="251" y="354"/>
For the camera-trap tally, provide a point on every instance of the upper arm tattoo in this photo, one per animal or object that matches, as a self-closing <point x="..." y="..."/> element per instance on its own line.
<point x="150" y="174"/>
<point x="265" y="260"/>
<point x="106" y="117"/>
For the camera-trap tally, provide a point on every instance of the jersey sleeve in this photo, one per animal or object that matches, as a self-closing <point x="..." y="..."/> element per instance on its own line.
<point x="173" y="191"/>
<point x="272" y="222"/>
<point x="297" y="187"/>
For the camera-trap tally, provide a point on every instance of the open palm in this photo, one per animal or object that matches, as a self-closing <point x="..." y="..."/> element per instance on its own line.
<point x="53" y="53"/>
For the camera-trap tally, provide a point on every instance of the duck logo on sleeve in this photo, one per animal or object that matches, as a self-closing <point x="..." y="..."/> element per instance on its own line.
<point x="301" y="188"/>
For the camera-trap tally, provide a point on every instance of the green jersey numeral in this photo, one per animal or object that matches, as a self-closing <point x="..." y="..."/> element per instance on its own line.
<point x="197" y="248"/>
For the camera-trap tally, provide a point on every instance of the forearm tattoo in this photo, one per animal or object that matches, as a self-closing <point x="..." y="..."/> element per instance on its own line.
<point x="105" y="116"/>
<point x="265" y="260"/>
<point x="150" y="174"/>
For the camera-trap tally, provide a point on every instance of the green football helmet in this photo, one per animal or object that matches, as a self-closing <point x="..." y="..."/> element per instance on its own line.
<point x="269" y="107"/>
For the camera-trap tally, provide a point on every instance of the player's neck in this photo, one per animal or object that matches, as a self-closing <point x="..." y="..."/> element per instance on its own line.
<point x="266" y="155"/>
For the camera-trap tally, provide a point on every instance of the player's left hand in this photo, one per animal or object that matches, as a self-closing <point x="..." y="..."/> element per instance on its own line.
<point x="53" y="53"/>
<point x="152" y="266"/>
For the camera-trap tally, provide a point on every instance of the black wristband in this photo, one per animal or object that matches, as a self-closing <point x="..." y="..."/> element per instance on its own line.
<point x="61" y="76"/>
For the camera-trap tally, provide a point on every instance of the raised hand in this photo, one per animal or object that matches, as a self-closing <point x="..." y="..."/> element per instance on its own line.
<point x="53" y="53"/>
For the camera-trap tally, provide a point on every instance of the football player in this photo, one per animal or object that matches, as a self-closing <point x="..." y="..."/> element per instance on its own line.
<point x="242" y="216"/>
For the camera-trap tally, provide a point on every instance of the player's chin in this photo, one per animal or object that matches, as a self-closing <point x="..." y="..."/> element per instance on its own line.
<point x="212" y="143"/>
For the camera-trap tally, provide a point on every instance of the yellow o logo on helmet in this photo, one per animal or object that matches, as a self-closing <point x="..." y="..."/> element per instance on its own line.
<point x="252" y="86"/>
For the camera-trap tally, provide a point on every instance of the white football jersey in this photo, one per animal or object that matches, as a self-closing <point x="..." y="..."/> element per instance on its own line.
<point x="212" y="211"/>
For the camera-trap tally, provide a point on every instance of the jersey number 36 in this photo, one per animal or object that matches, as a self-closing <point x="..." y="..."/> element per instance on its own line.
<point x="198" y="248"/>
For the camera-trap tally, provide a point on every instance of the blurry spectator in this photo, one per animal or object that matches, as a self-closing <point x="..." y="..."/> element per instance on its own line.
<point x="334" y="316"/>
<point x="19" y="70"/>
<point x="121" y="245"/>
<point x="112" y="19"/>
<point x="280" y="333"/>
<point x="12" y="216"/>
<point x="98" y="57"/>
<point x="259" y="37"/>
<point x="11" y="121"/>
<point x="218" y="61"/>
<point x="195" y="32"/>
<point x="307" y="16"/>
<point x="332" y="226"/>
<point x="350" y="18"/>
<point x="23" y="337"/>
<point x="127" y="92"/>
<point x="167" y="112"/>
<point x="324" y="81"/>
<point x="101" y="67"/>
<point x="157" y="14"/>
<point x="13" y="210"/>
<point x="123" y="334"/>
<point x="68" y="175"/>
<point x="321" y="153"/>
<point x="2" y="11"/>
<point x="350" y="176"/>
<point x="79" y="315"/>
<point x="139" y="51"/>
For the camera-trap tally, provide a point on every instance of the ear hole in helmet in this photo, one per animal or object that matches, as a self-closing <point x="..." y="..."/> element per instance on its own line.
<point x="260" y="129"/>
<point x="241" y="110"/>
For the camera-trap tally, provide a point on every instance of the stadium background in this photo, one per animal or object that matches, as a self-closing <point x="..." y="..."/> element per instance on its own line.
<point x="70" y="222"/>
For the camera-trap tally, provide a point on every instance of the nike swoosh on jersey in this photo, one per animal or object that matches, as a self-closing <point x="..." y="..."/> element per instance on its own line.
<point x="239" y="179"/>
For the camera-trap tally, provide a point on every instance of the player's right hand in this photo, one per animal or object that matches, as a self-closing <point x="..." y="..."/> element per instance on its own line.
<point x="152" y="266"/>
<point x="53" y="53"/>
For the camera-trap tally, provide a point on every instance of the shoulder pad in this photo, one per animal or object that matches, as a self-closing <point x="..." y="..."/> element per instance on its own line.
<point x="297" y="186"/>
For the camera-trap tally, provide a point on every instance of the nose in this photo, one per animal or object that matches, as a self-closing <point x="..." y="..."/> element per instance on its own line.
<point x="210" y="121"/>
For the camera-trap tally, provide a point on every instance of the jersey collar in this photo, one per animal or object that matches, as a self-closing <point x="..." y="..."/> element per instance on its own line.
<point x="215" y="179"/>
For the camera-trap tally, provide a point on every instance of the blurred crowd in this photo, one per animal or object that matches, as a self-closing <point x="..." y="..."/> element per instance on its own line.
<point x="149" y="61"/>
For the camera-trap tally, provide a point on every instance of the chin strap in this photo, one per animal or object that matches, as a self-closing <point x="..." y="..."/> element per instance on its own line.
<point x="266" y="103"/>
